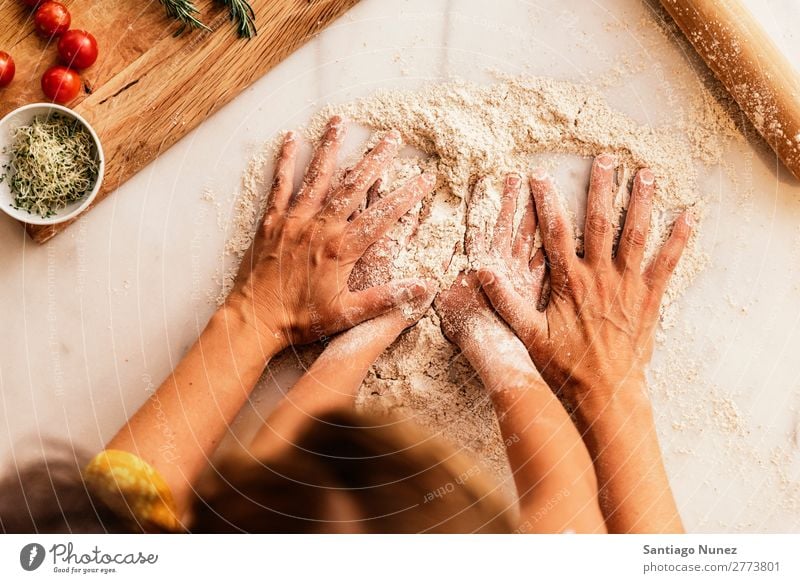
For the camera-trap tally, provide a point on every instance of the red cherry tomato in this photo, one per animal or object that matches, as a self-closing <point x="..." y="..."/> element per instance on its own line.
<point x="7" y="69"/>
<point x="52" y="19"/>
<point x="61" y="84"/>
<point x="78" y="49"/>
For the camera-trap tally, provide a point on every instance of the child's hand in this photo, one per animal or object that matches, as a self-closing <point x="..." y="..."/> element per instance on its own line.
<point x="292" y="284"/>
<point x="545" y="450"/>
<point x="596" y="332"/>
<point x="467" y="317"/>
<point x="376" y="268"/>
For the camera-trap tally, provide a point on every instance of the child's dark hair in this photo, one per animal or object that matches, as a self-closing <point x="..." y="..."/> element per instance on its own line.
<point x="51" y="497"/>
<point x="395" y="477"/>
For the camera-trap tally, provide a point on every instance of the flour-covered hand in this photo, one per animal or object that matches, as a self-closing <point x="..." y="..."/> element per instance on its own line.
<point x="377" y="267"/>
<point x="466" y="316"/>
<point x="293" y="282"/>
<point x="595" y="335"/>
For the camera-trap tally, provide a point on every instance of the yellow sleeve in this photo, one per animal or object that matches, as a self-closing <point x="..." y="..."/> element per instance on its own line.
<point x="131" y="487"/>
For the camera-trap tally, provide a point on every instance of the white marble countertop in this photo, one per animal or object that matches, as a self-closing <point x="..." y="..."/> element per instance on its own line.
<point x="99" y="315"/>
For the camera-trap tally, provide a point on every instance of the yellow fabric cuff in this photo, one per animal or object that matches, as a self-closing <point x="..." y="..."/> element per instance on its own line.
<point x="132" y="487"/>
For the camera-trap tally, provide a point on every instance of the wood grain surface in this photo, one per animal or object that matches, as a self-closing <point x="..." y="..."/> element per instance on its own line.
<point x="149" y="88"/>
<point x="756" y="73"/>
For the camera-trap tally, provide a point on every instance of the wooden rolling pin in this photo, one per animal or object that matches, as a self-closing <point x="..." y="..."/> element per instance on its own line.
<point x="752" y="68"/>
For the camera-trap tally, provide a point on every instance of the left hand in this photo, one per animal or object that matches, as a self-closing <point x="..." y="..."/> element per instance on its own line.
<point x="376" y="268"/>
<point x="292" y="286"/>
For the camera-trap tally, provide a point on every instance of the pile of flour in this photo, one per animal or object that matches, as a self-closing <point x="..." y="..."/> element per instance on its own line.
<point x="468" y="132"/>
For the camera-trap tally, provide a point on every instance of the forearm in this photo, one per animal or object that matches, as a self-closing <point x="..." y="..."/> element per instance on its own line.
<point x="331" y="383"/>
<point x="180" y="425"/>
<point x="551" y="467"/>
<point x="620" y="434"/>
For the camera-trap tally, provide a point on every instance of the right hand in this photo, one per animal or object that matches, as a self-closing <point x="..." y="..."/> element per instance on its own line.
<point x="467" y="318"/>
<point x="292" y="285"/>
<point x="595" y="335"/>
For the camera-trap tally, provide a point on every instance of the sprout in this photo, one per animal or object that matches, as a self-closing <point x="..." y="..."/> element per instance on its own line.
<point x="52" y="163"/>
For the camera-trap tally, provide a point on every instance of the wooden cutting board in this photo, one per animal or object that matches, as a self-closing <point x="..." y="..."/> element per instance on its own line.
<point x="149" y="88"/>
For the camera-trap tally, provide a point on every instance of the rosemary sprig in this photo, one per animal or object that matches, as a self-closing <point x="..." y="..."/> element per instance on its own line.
<point x="242" y="14"/>
<point x="240" y="11"/>
<point x="184" y="11"/>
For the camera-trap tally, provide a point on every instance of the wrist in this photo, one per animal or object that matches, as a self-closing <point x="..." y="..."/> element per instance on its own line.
<point x="240" y="312"/>
<point x="367" y="341"/>
<point x="605" y="404"/>
<point x="594" y="385"/>
<point x="246" y="333"/>
<point x="475" y="333"/>
<point x="501" y="360"/>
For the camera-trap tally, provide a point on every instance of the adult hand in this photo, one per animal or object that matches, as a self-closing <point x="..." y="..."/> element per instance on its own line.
<point x="293" y="282"/>
<point x="334" y="379"/>
<point x="596" y="333"/>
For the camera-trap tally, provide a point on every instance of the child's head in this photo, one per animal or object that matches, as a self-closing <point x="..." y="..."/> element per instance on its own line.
<point x="51" y="497"/>
<point x="344" y="473"/>
<point x="350" y="473"/>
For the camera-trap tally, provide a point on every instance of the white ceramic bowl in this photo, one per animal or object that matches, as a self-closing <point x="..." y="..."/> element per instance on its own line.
<point x="23" y="116"/>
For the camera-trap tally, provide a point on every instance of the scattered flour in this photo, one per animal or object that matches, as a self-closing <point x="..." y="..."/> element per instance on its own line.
<point x="470" y="132"/>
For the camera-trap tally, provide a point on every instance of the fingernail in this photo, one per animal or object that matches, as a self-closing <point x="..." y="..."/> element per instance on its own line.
<point x="539" y="173"/>
<point x="605" y="161"/>
<point x="418" y="288"/>
<point x="512" y="180"/>
<point x="646" y="176"/>
<point x="336" y="123"/>
<point x="393" y="137"/>
<point x="429" y="178"/>
<point x="688" y="218"/>
<point x="485" y="277"/>
<point x="289" y="136"/>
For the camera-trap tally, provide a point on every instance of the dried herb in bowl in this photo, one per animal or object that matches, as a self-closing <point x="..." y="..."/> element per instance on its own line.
<point x="52" y="162"/>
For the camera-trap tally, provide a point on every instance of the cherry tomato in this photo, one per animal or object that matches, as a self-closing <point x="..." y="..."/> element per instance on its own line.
<point x="7" y="69"/>
<point x="61" y="84"/>
<point x="78" y="49"/>
<point x="52" y="19"/>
